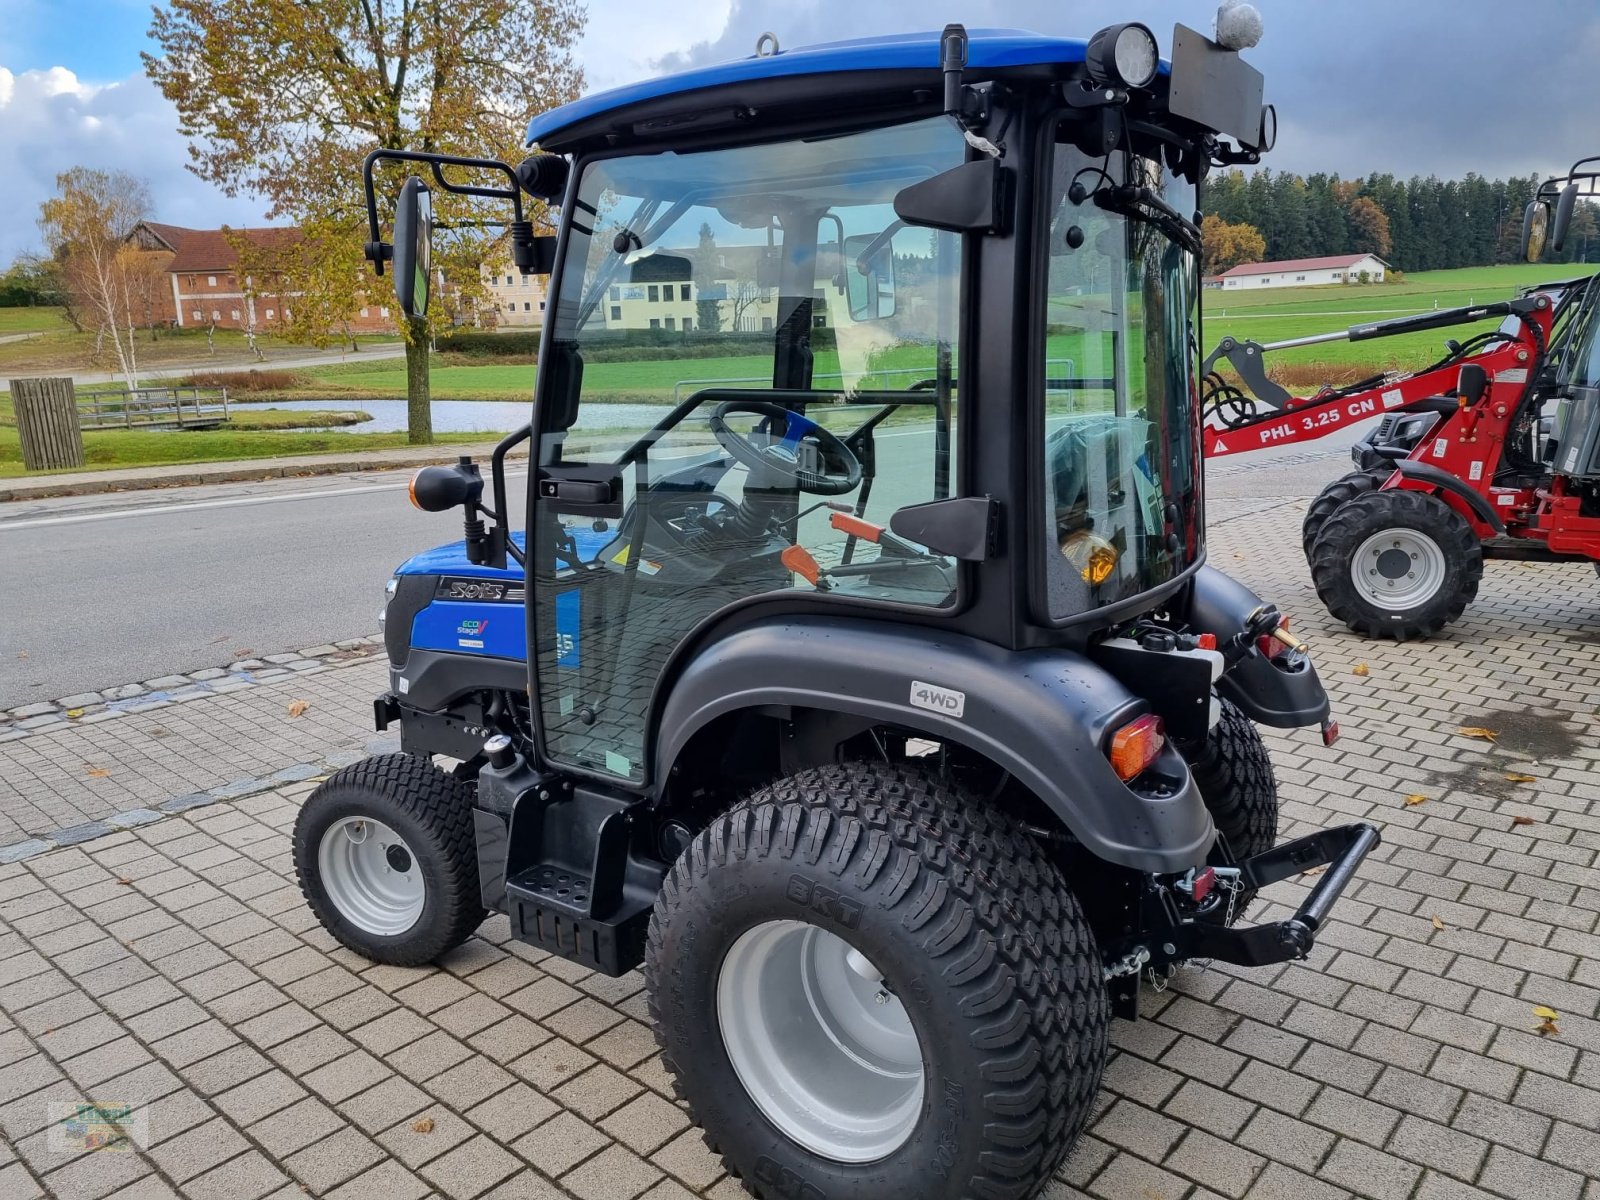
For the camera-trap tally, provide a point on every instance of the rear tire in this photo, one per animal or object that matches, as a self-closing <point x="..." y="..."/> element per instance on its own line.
<point x="983" y="952"/>
<point x="386" y="857"/>
<point x="1396" y="563"/>
<point x="1334" y="497"/>
<point x="1234" y="774"/>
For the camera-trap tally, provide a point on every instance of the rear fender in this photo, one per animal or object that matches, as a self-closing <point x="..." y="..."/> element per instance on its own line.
<point x="1284" y="692"/>
<point x="1045" y="716"/>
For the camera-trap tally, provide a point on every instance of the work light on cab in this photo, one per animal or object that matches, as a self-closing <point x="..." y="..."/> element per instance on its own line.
<point x="1122" y="56"/>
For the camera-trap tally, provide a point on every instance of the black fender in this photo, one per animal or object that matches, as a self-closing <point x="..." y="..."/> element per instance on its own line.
<point x="1284" y="692"/>
<point x="1440" y="478"/>
<point x="1045" y="716"/>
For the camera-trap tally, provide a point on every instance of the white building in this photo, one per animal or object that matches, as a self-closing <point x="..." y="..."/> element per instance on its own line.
<point x="1306" y="272"/>
<point x="517" y="300"/>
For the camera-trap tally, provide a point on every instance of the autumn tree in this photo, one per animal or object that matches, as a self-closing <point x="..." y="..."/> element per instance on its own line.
<point x="284" y="98"/>
<point x="1227" y="244"/>
<point x="1369" y="227"/>
<point x="87" y="224"/>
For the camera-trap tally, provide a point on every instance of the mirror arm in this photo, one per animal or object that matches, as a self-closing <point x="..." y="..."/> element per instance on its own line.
<point x="876" y="245"/>
<point x="497" y="475"/>
<point x="378" y="251"/>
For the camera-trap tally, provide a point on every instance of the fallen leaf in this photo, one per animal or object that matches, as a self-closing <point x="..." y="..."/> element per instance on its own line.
<point x="243" y="653"/>
<point x="124" y="881"/>
<point x="1521" y="820"/>
<point x="1316" y="870"/>
<point x="74" y="713"/>
<point x="1547" y="1029"/>
<point x="422" y="1125"/>
<point x="1438" y="924"/>
<point x="1545" y="1013"/>
<point x="1478" y="731"/>
<point x="1361" y="669"/>
<point x="298" y="707"/>
<point x="97" y="772"/>
<point x="1414" y="799"/>
<point x="1518" y="777"/>
<point x="23" y="654"/>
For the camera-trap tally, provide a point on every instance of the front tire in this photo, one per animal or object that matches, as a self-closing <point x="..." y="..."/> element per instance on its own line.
<point x="386" y="857"/>
<point x="868" y="984"/>
<point x="1396" y="563"/>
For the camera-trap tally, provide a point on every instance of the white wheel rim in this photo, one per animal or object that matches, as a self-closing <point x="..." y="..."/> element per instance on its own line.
<point x="827" y="1053"/>
<point x="371" y="876"/>
<point x="1398" y="569"/>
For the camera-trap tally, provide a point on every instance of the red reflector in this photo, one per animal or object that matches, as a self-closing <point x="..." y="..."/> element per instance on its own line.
<point x="1136" y="745"/>
<point x="1330" y="732"/>
<point x="1204" y="881"/>
<point x="1208" y="641"/>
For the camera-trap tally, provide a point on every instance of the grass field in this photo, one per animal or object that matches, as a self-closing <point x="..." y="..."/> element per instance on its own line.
<point x="30" y="320"/>
<point x="1278" y="314"/>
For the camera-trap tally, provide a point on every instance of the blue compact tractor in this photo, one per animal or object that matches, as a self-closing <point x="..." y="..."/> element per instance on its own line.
<point x="854" y="667"/>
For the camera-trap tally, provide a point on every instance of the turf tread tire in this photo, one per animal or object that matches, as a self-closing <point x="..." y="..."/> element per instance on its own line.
<point x="996" y="922"/>
<point x="1334" y="497"/>
<point x="1344" y="532"/>
<point x="432" y="810"/>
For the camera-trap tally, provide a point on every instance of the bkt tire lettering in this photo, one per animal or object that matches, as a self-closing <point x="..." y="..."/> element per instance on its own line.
<point x="786" y="1182"/>
<point x="824" y="900"/>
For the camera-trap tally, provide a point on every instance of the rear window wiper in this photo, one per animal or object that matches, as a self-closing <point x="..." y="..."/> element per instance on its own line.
<point x="1145" y="204"/>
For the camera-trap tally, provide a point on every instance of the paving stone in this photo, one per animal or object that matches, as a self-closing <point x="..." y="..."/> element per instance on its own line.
<point x="561" y="1143"/>
<point x="41" y="709"/>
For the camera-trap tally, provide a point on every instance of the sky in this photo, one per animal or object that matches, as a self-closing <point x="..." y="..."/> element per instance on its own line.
<point x="1404" y="86"/>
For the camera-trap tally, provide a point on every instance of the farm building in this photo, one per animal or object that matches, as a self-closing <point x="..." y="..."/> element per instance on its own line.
<point x="1305" y="272"/>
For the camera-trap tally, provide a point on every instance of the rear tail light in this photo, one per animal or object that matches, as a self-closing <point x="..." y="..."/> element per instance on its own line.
<point x="1271" y="645"/>
<point x="1136" y="745"/>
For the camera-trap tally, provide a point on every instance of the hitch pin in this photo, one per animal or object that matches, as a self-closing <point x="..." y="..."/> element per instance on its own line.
<point x="1289" y="640"/>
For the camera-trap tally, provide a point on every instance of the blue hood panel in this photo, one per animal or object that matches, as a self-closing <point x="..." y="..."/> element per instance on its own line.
<point x="988" y="50"/>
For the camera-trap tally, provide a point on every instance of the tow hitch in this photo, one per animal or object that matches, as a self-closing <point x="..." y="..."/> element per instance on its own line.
<point x="1186" y="918"/>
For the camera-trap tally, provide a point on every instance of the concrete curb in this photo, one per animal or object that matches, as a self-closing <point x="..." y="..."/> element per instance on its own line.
<point x="192" y="474"/>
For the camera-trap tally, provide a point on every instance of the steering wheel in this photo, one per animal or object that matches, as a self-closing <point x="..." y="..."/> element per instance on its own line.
<point x="781" y="456"/>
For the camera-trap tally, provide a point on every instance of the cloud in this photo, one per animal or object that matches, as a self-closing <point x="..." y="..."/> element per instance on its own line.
<point x="1420" y="87"/>
<point x="50" y="121"/>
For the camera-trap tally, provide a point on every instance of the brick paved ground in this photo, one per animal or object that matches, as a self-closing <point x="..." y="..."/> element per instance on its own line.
<point x="174" y="967"/>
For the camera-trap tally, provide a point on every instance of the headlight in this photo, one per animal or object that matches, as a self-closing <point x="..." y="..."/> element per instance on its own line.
<point x="1124" y="55"/>
<point x="391" y="587"/>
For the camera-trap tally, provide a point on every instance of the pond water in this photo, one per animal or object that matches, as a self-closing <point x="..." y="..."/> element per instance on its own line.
<point x="471" y="416"/>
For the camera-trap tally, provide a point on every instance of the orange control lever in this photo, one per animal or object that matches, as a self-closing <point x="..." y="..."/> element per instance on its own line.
<point x="855" y="527"/>
<point x="798" y="559"/>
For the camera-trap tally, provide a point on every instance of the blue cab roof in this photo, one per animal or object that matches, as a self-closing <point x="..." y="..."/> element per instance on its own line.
<point x="988" y="51"/>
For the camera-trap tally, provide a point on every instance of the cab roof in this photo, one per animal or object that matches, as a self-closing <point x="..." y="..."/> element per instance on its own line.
<point x="989" y="52"/>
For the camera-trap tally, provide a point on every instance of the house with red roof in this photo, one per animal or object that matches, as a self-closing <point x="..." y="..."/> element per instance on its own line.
<point x="1304" y="272"/>
<point x="208" y="289"/>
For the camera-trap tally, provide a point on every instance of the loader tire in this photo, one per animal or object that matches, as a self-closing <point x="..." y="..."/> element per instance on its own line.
<point x="1396" y="563"/>
<point x="1334" y="497"/>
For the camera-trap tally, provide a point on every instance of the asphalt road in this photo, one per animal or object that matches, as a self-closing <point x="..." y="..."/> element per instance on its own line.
<point x="101" y="590"/>
<point x="97" y="591"/>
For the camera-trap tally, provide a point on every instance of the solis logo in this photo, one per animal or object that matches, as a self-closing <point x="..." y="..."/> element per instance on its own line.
<point x="472" y="628"/>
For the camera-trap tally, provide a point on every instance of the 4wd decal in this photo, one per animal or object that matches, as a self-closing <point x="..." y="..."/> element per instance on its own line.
<point x="937" y="699"/>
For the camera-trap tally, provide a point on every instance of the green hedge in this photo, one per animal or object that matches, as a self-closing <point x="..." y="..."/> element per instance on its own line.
<point x="633" y="345"/>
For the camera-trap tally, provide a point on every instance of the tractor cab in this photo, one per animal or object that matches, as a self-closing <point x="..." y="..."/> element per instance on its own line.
<point x="860" y="599"/>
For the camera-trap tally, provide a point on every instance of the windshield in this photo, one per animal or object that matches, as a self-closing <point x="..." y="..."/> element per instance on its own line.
<point x="1120" y="441"/>
<point x="751" y="370"/>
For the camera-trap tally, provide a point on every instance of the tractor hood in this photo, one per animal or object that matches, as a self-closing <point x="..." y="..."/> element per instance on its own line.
<point x="452" y="560"/>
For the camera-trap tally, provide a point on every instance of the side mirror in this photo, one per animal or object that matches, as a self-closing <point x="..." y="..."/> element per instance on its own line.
<point x="413" y="247"/>
<point x="869" y="277"/>
<point x="435" y="489"/>
<point x="1565" y="203"/>
<point x="1535" y="225"/>
<point x="1471" y="384"/>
